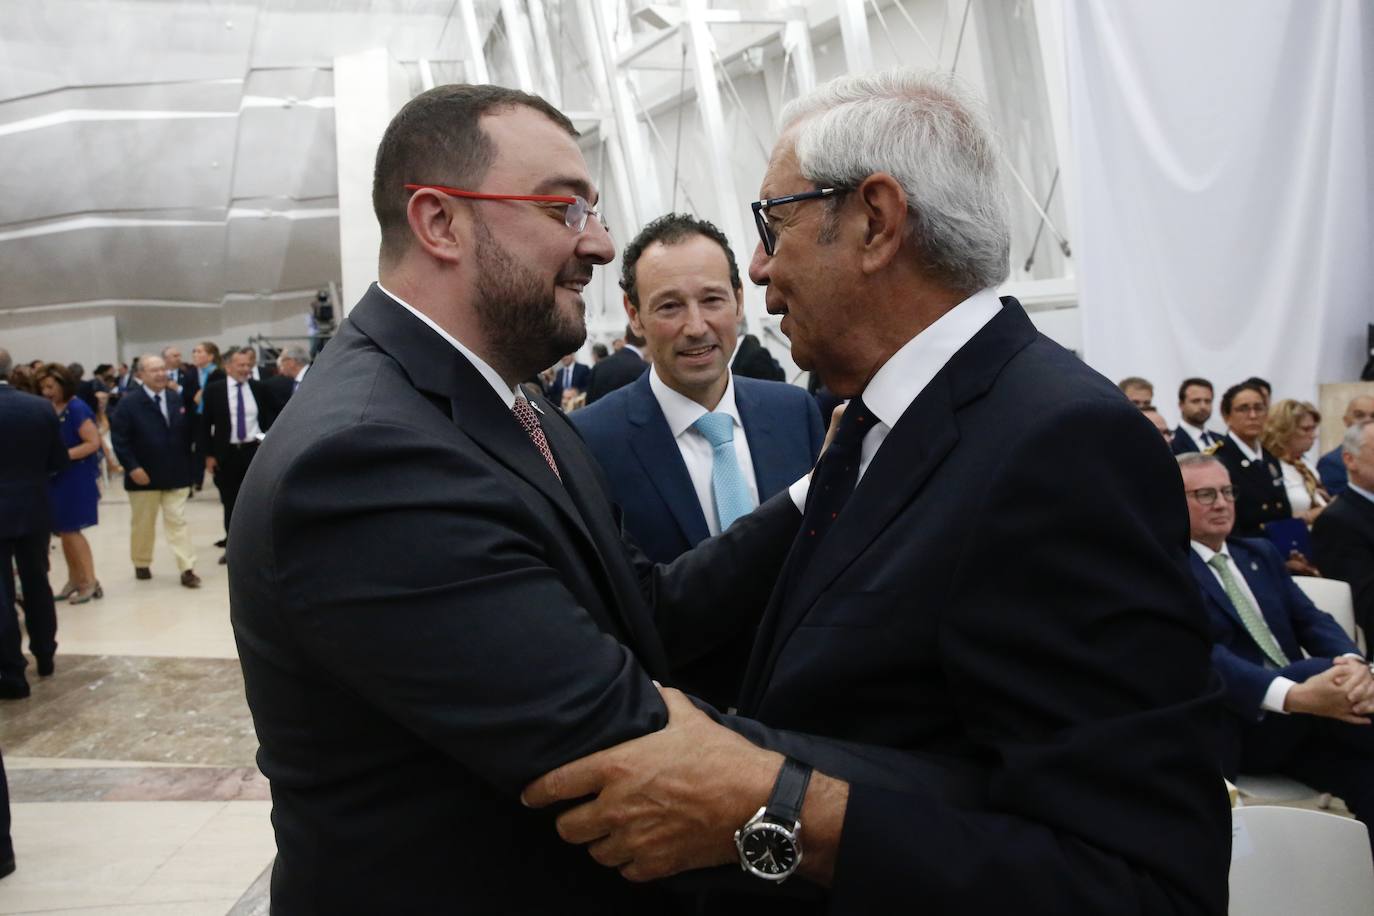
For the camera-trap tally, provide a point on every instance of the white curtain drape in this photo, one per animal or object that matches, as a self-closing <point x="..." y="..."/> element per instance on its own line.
<point x="1226" y="224"/>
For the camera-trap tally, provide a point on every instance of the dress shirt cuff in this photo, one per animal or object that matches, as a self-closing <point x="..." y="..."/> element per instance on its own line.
<point x="1351" y="655"/>
<point x="798" y="492"/>
<point x="1277" y="694"/>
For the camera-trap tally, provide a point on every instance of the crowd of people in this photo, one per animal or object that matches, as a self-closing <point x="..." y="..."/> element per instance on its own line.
<point x="923" y="642"/>
<point x="160" y="425"/>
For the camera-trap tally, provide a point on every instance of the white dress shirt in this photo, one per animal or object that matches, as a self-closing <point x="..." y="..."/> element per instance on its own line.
<point x="1245" y="450"/>
<point x="300" y="376"/>
<point x="906" y="374"/>
<point x="681" y="412"/>
<point x="1296" y="486"/>
<point x="505" y="392"/>
<point x="254" y="432"/>
<point x="1198" y="433"/>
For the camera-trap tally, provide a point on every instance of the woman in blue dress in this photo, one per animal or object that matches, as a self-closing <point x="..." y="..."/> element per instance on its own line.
<point x="74" y="493"/>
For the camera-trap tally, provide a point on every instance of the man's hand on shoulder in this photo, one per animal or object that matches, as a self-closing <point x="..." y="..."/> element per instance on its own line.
<point x="665" y="803"/>
<point x="1326" y="695"/>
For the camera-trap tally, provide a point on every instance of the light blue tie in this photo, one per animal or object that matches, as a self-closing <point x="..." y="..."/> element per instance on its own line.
<point x="727" y="480"/>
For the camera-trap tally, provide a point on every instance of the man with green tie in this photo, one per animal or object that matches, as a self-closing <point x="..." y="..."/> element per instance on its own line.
<point x="1303" y="715"/>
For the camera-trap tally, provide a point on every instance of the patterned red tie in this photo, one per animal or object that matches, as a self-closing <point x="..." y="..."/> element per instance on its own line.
<point x="525" y="414"/>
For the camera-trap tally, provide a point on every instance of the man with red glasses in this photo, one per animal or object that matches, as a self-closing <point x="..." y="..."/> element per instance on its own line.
<point x="1306" y="717"/>
<point x="431" y="597"/>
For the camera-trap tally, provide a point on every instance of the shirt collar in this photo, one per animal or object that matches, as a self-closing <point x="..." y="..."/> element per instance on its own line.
<point x="1245" y="450"/>
<point x="681" y="411"/>
<point x="300" y="375"/>
<point x="1207" y="553"/>
<point x="637" y="352"/>
<point x="908" y="371"/>
<point x="505" y="392"/>
<point x="1361" y="490"/>
<point x="1197" y="432"/>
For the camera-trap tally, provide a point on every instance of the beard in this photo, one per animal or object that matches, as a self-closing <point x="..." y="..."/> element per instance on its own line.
<point x="518" y="311"/>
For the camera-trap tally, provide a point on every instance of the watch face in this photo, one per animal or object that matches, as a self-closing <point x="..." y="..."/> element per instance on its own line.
<point x="769" y="850"/>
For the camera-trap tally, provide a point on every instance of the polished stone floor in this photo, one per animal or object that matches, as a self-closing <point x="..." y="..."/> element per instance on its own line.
<point x="132" y="782"/>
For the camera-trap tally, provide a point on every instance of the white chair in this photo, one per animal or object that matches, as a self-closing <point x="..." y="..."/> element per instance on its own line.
<point x="1334" y="597"/>
<point x="1287" y="860"/>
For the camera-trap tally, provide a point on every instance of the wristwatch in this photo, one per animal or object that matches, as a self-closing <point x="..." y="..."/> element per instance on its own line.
<point x="769" y="843"/>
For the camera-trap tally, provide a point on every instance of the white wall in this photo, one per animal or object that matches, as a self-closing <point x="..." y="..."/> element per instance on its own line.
<point x="60" y="338"/>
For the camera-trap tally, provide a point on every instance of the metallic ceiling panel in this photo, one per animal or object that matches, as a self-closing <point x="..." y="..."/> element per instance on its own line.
<point x="287" y="150"/>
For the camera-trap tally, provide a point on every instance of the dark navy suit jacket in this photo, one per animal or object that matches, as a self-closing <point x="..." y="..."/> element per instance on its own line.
<point x="142" y="439"/>
<point x="32" y="451"/>
<point x="1296" y="622"/>
<point x="631" y="439"/>
<point x="1331" y="469"/>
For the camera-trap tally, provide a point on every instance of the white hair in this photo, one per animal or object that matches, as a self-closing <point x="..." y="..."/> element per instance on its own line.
<point x="1354" y="437"/>
<point x="931" y="134"/>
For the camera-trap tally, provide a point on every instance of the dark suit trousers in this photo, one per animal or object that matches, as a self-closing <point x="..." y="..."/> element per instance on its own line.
<point x="1329" y="755"/>
<point x="29" y="553"/>
<point x="233" y="467"/>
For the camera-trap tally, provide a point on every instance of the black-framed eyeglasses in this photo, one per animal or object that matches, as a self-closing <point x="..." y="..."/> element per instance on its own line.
<point x="760" y="207"/>
<point x="1206" y="496"/>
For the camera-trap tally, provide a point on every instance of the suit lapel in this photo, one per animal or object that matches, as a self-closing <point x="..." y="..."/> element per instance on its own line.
<point x="922" y="437"/>
<point x="761" y="433"/>
<point x="657" y="452"/>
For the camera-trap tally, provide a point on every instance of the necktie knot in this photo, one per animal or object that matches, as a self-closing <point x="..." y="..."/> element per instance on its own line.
<point x="718" y="428"/>
<point x="854" y="425"/>
<point x="1218" y="561"/>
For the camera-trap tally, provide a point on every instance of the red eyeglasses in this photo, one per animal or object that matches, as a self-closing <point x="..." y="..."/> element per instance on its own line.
<point x="574" y="217"/>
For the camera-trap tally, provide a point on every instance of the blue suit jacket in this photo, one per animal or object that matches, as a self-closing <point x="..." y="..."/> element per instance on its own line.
<point x="1296" y="622"/>
<point x="628" y="434"/>
<point x="142" y="439"/>
<point x="1184" y="441"/>
<point x="1331" y="469"/>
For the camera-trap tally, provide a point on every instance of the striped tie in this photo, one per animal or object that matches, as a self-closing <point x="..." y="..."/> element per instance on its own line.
<point x="1249" y="614"/>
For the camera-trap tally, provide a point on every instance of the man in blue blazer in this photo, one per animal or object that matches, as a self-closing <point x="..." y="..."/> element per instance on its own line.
<point x="1303" y="715"/>
<point x="690" y="446"/>
<point x="33" y="451"/>
<point x="152" y="435"/>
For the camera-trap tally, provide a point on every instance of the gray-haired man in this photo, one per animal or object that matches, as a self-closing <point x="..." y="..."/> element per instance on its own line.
<point x="990" y="572"/>
<point x="1343" y="543"/>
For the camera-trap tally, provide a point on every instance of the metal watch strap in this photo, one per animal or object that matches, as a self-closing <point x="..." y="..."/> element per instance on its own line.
<point x="789" y="791"/>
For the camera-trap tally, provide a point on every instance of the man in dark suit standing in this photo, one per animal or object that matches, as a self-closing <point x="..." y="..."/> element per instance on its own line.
<point x="292" y="365"/>
<point x="152" y="435"/>
<point x="619" y="369"/>
<point x="991" y="569"/>
<point x="1288" y="713"/>
<point x="1331" y="466"/>
<point x="1195" y="408"/>
<point x="690" y="447"/>
<point x="752" y="360"/>
<point x="1343" y="535"/>
<point x="428" y="586"/>
<point x="32" y="453"/>
<point x="238" y="413"/>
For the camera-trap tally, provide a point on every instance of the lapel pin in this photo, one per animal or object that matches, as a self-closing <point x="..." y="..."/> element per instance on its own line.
<point x="1245" y="462"/>
<point x="1254" y="566"/>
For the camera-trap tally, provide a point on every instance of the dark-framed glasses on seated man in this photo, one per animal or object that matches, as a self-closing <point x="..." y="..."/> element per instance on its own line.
<point x="1208" y="495"/>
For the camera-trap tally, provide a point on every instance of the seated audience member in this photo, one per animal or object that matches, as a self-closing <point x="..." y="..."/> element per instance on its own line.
<point x="1257" y="475"/>
<point x="1288" y="435"/>
<point x="691" y="446"/>
<point x="1158" y="420"/>
<point x="1195" y="407"/>
<point x="1331" y="467"/>
<point x="1304" y="717"/>
<point x="619" y="369"/>
<point x="1141" y="392"/>
<point x="1343" y="537"/>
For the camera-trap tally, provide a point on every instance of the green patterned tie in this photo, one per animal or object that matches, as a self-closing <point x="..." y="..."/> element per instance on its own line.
<point x="1249" y="614"/>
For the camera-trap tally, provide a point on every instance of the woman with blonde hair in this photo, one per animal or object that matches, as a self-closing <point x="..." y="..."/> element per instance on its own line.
<point x="1289" y="433"/>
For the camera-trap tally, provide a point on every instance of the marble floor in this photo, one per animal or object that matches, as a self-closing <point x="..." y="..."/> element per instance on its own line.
<point x="132" y="783"/>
